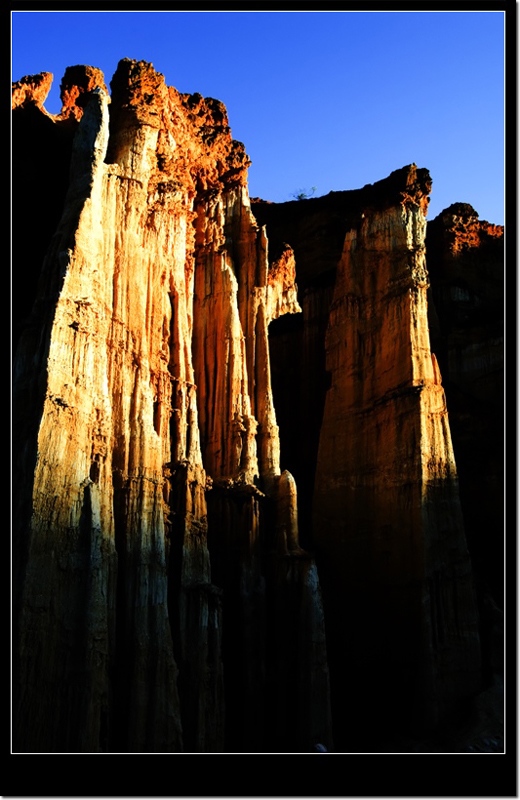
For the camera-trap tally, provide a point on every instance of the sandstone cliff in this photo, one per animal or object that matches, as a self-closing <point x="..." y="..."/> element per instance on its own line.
<point x="202" y="448"/>
<point x="142" y="390"/>
<point x="382" y="498"/>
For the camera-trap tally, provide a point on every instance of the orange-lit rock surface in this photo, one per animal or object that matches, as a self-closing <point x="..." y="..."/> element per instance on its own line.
<point x="75" y="90"/>
<point x="223" y="408"/>
<point x="141" y="391"/>
<point x="32" y="90"/>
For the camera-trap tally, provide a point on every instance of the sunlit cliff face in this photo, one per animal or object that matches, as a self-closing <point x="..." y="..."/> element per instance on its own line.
<point x="164" y="601"/>
<point x="153" y="372"/>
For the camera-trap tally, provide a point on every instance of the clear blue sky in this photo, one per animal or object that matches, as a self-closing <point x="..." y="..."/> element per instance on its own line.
<point x="333" y="99"/>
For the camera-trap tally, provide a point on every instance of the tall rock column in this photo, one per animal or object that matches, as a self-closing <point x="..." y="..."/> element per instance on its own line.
<point x="150" y="181"/>
<point x="401" y="615"/>
<point x="97" y="637"/>
<point x="270" y="585"/>
<point x="151" y="312"/>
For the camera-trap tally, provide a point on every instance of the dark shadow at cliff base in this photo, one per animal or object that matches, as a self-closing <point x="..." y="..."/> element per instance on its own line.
<point x="373" y="665"/>
<point x="415" y="666"/>
<point x="236" y="541"/>
<point x="273" y="648"/>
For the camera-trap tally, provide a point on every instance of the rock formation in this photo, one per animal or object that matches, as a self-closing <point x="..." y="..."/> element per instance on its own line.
<point x="142" y="390"/>
<point x="466" y="310"/>
<point x="379" y="464"/>
<point x="386" y="507"/>
<point x="466" y="266"/>
<point x="173" y="535"/>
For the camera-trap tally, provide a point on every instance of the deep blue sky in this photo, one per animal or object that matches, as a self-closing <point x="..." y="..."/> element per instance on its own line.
<point x="334" y="100"/>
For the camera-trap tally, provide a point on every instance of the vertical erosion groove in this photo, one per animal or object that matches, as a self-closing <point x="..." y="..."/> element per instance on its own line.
<point x="164" y="600"/>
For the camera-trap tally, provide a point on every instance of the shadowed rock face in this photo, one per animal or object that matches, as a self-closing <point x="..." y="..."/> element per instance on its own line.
<point x="142" y="389"/>
<point x="166" y="597"/>
<point x="466" y="266"/>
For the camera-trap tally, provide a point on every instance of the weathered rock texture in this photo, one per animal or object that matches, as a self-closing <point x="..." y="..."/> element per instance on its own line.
<point x="386" y="507"/>
<point x="387" y="525"/>
<point x="166" y="596"/>
<point x="144" y="431"/>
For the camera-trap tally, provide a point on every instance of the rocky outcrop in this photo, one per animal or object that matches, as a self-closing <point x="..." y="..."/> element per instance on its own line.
<point x="466" y="266"/>
<point x="146" y="446"/>
<point x="387" y="527"/>
<point x="226" y="484"/>
<point x="386" y="510"/>
<point x="466" y="309"/>
<point x="32" y="90"/>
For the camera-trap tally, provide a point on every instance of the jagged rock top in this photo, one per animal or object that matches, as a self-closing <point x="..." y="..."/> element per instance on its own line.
<point x="140" y="96"/>
<point x="76" y="87"/>
<point x="458" y="228"/>
<point x="31" y="90"/>
<point x="75" y="90"/>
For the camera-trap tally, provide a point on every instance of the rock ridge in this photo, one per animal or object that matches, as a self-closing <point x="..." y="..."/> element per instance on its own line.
<point x="142" y="390"/>
<point x="363" y="264"/>
<point x="237" y="513"/>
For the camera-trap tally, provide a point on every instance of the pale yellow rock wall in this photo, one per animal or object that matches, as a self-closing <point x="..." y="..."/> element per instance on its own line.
<point x="154" y="376"/>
